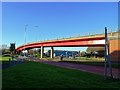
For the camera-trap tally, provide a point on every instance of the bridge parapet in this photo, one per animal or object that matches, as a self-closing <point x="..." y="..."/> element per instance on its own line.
<point x="112" y="35"/>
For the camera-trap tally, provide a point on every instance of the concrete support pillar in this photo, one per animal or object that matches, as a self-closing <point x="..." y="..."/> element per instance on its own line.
<point x="52" y="52"/>
<point x="42" y="51"/>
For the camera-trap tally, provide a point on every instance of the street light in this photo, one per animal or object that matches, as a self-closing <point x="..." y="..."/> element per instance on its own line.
<point x="25" y="38"/>
<point x="36" y="39"/>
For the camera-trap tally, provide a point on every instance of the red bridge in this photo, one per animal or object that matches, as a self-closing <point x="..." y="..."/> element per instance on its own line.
<point x="98" y="40"/>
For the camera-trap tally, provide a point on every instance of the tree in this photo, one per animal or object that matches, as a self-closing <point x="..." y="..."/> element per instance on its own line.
<point x="96" y="51"/>
<point x="31" y="51"/>
<point x="93" y="49"/>
<point x="82" y="54"/>
<point x="39" y="50"/>
<point x="12" y="48"/>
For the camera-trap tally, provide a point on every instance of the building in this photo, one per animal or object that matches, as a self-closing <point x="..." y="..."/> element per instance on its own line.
<point x="115" y="50"/>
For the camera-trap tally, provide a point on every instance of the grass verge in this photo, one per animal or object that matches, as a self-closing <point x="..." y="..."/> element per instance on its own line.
<point x="4" y="58"/>
<point x="39" y="75"/>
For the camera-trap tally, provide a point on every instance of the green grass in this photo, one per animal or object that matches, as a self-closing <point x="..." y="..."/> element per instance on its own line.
<point x="39" y="75"/>
<point x="4" y="58"/>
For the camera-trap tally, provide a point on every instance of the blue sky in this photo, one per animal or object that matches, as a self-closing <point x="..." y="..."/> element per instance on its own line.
<point x="55" y="20"/>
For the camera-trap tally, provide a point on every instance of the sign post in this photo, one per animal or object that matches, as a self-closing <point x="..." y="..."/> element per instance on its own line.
<point x="105" y="63"/>
<point x="107" y="57"/>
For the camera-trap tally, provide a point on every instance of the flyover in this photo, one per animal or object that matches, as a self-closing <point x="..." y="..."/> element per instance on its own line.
<point x="70" y="42"/>
<point x="91" y="40"/>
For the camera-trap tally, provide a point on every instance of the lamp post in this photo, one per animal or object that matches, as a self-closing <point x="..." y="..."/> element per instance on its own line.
<point x="36" y="39"/>
<point x="25" y="38"/>
<point x="107" y="57"/>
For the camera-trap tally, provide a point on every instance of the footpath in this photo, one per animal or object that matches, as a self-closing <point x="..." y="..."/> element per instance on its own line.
<point x="12" y="63"/>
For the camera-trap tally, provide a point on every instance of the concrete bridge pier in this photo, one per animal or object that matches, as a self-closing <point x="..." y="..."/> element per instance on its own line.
<point x="42" y="51"/>
<point x="52" y="52"/>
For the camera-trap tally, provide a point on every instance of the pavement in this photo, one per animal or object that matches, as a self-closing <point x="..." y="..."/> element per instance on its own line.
<point x="12" y="63"/>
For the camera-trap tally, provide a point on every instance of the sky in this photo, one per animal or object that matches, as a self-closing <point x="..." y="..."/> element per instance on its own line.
<point x="55" y="20"/>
